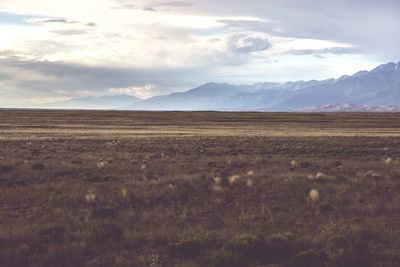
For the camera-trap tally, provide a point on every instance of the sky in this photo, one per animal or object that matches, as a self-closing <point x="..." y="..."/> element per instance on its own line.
<point x="53" y="50"/>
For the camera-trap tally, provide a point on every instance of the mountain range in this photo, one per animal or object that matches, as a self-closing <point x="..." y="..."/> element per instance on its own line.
<point x="375" y="90"/>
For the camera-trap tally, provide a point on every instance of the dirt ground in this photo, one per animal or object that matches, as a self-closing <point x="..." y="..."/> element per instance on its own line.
<point x="99" y="188"/>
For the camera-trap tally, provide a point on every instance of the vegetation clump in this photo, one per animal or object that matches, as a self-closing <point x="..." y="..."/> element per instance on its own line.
<point x="38" y="167"/>
<point x="104" y="232"/>
<point x="309" y="258"/>
<point x="104" y="213"/>
<point x="189" y="248"/>
<point x="55" y="233"/>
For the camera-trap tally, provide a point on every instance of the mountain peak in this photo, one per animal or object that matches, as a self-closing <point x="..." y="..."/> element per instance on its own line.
<point x="366" y="90"/>
<point x="389" y="67"/>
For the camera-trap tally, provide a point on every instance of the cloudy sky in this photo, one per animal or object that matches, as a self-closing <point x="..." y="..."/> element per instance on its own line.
<point x="52" y="50"/>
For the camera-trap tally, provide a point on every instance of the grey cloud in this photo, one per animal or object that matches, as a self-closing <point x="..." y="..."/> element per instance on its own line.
<point x="332" y="50"/>
<point x="62" y="21"/>
<point x="56" y="21"/>
<point x="369" y="24"/>
<point x="155" y="6"/>
<point x="61" y="79"/>
<point x="250" y="25"/>
<point x="244" y="44"/>
<point x="172" y="4"/>
<point x="70" y="32"/>
<point x="149" y="9"/>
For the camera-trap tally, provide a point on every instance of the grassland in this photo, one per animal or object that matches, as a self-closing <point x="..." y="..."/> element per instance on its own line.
<point x="199" y="189"/>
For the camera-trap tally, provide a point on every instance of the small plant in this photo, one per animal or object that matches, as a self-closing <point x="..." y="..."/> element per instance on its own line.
<point x="104" y="213"/>
<point x="278" y="248"/>
<point x="104" y="232"/>
<point x="325" y="207"/>
<point x="38" y="167"/>
<point x="186" y="248"/>
<point x="90" y="197"/>
<point x="54" y="233"/>
<point x="225" y="258"/>
<point x="6" y="168"/>
<point x="314" y="195"/>
<point x="247" y="245"/>
<point x="351" y="249"/>
<point x="309" y="258"/>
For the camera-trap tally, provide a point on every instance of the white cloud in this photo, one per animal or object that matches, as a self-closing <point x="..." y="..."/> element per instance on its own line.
<point x="48" y="100"/>
<point x="89" y="46"/>
<point x="144" y="92"/>
<point x="241" y="43"/>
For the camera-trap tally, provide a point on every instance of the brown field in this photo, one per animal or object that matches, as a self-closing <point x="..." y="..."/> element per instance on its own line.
<point x="92" y="188"/>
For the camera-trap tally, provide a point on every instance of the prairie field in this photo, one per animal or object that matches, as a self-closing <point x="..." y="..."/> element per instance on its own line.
<point x="217" y="189"/>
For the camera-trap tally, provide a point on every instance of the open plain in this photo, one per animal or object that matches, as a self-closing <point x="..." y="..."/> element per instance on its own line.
<point x="102" y="188"/>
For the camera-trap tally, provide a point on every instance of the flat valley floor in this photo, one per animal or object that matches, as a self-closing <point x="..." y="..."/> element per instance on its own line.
<point x="100" y="188"/>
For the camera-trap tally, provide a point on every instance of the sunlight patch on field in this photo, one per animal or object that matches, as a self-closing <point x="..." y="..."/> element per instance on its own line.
<point x="165" y="131"/>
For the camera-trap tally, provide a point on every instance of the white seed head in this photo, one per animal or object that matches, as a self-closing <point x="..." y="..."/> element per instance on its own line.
<point x="143" y="167"/>
<point x="250" y="173"/>
<point x="90" y="197"/>
<point x="311" y="177"/>
<point x="388" y="160"/>
<point x="293" y="163"/>
<point x="101" y="164"/>
<point x="217" y="188"/>
<point x="314" y="195"/>
<point x="249" y="183"/>
<point x="233" y="179"/>
<point x="217" y="180"/>
<point x="124" y="192"/>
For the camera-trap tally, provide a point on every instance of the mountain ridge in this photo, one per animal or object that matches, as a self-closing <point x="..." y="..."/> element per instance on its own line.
<point x="379" y="87"/>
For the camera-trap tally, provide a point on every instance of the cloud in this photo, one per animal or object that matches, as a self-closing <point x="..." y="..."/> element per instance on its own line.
<point x="242" y="43"/>
<point x="70" y="32"/>
<point x="54" y="21"/>
<point x="331" y="50"/>
<point x="145" y="91"/>
<point x="368" y="24"/>
<point x="250" y="25"/>
<point x="151" y="9"/>
<point x="153" y="6"/>
<point x="50" y="48"/>
<point x="59" y="21"/>
<point x="27" y="79"/>
<point x="47" y="100"/>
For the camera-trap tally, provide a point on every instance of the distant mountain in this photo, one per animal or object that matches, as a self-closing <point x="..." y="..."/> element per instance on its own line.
<point x="99" y="102"/>
<point x="351" y="108"/>
<point x="375" y="90"/>
<point x="204" y="97"/>
<point x="379" y="87"/>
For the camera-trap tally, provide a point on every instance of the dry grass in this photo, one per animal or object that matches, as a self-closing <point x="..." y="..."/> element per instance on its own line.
<point x="203" y="199"/>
